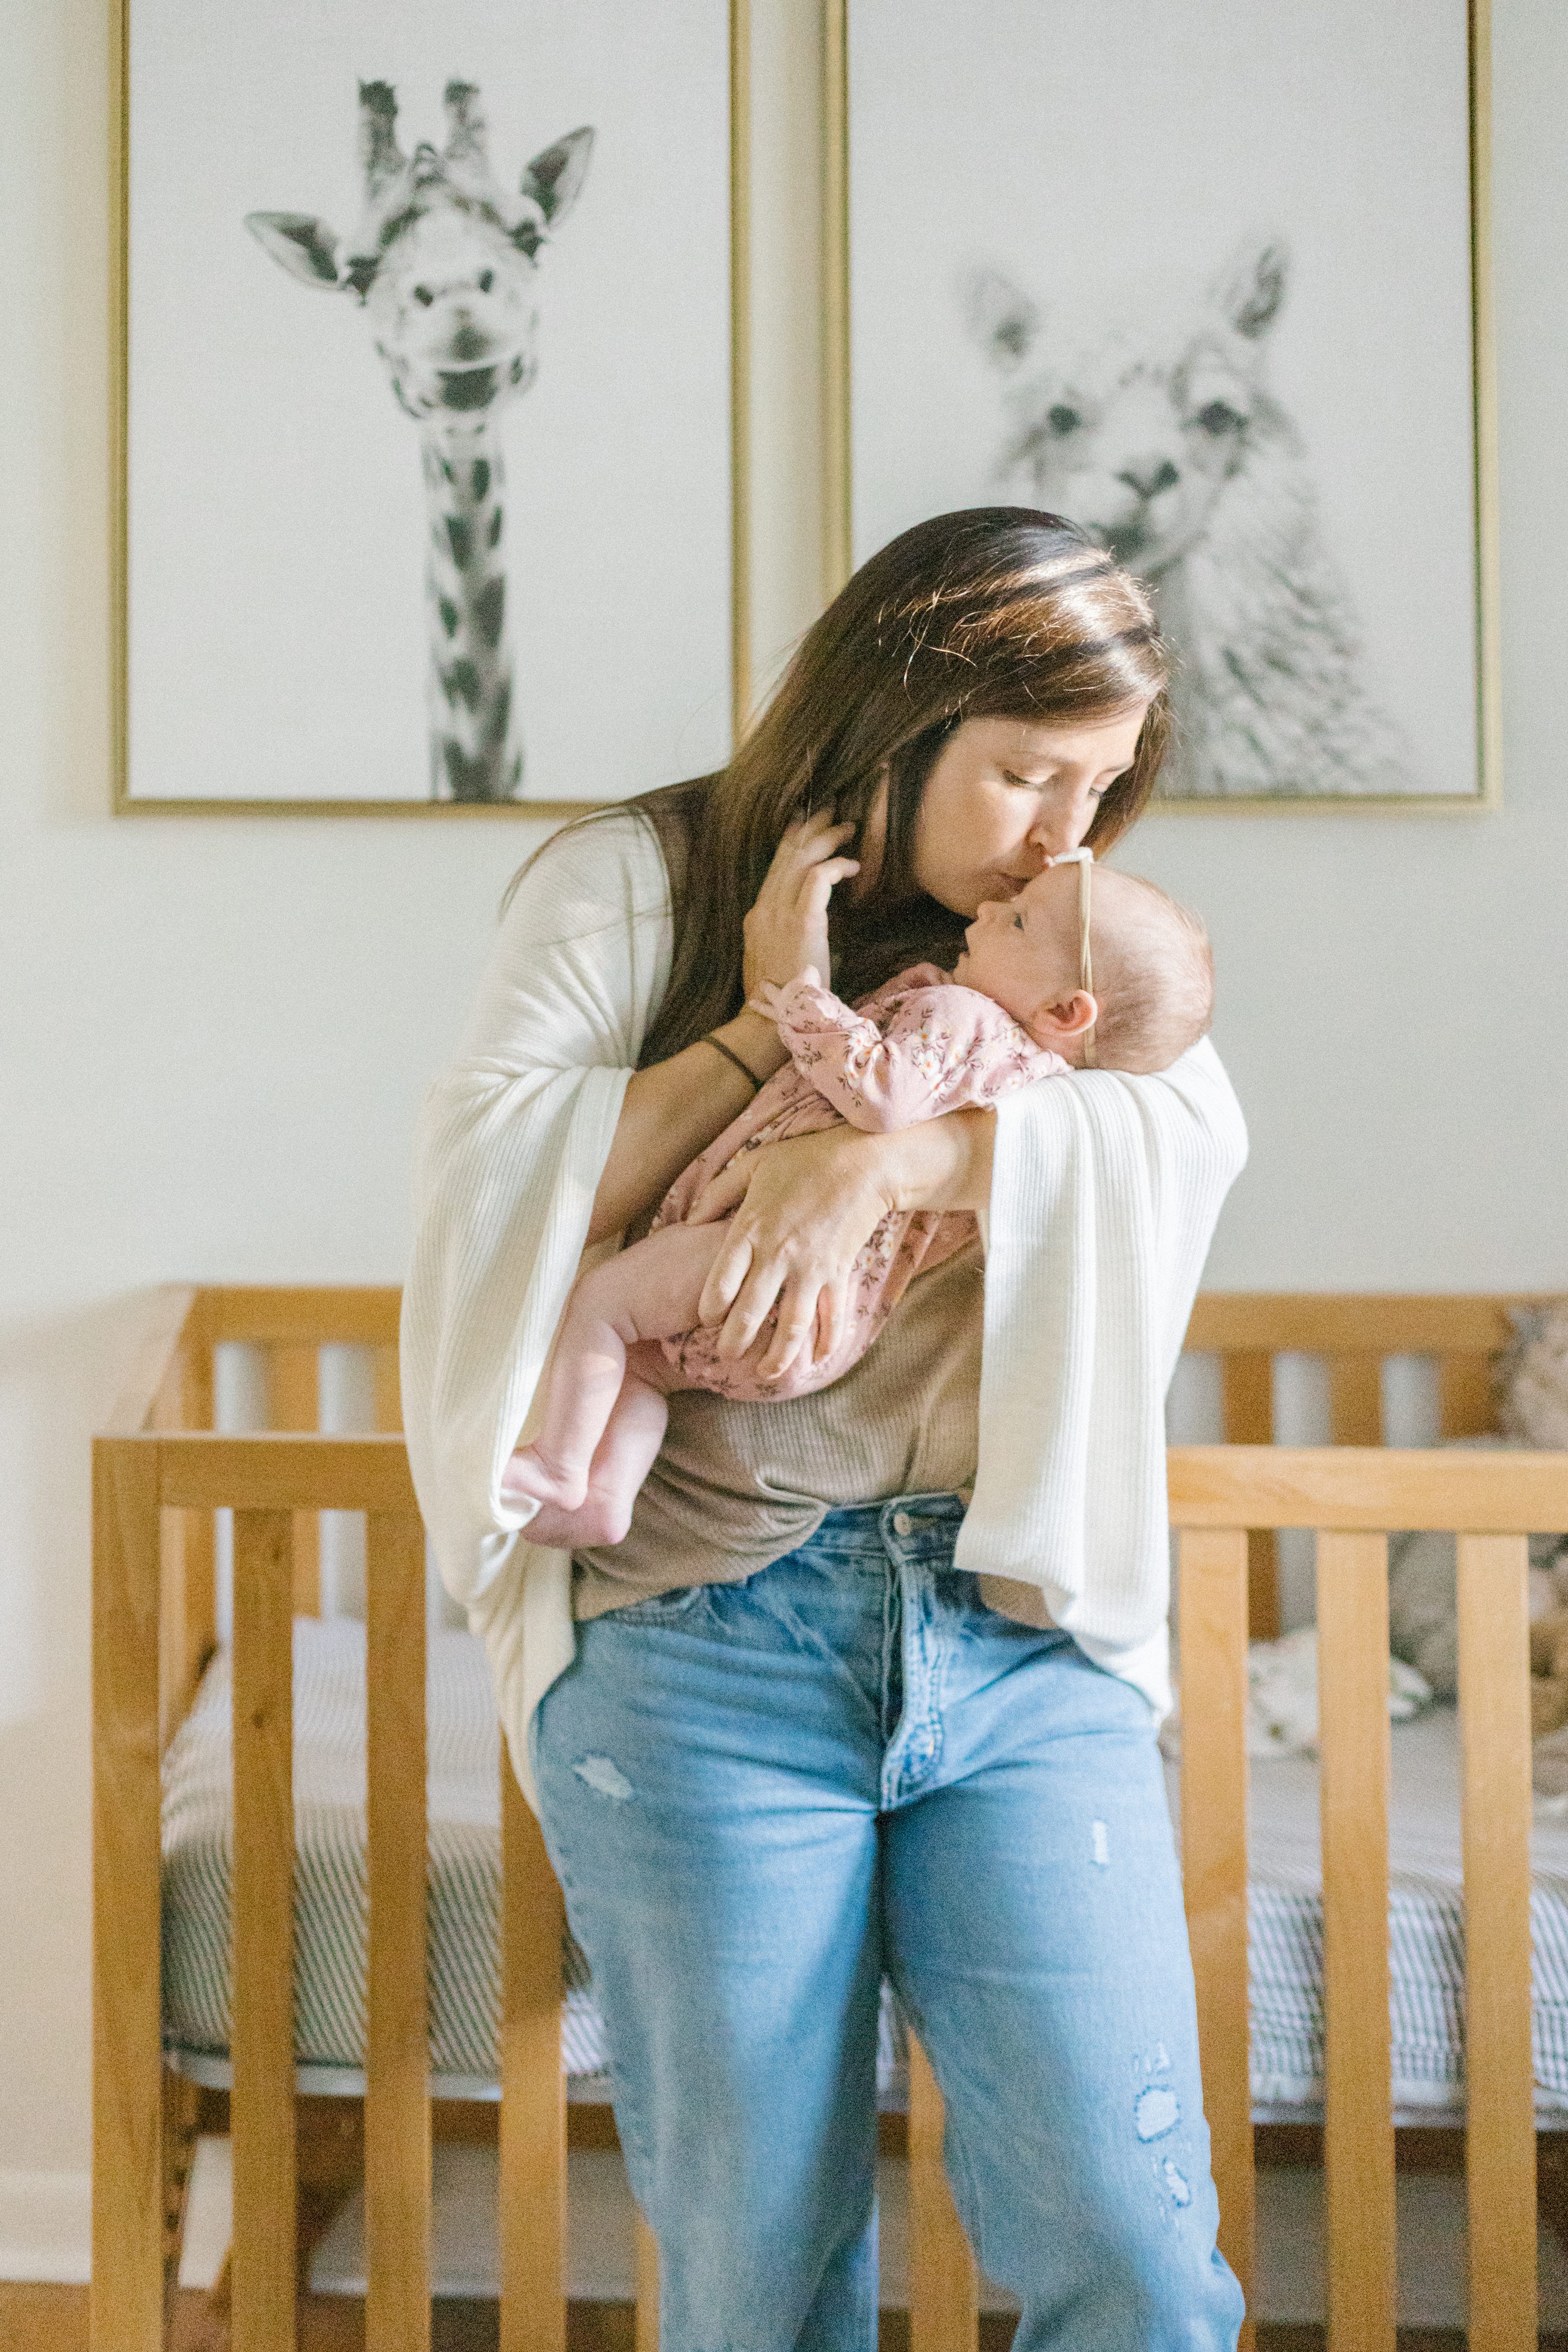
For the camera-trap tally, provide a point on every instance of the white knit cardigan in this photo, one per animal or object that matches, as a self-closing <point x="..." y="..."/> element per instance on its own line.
<point x="1103" y="1200"/>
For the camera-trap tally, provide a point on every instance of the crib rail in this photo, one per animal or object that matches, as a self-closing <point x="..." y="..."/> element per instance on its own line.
<point x="1352" y="1497"/>
<point x="1353" y="1337"/>
<point x="162" y="1474"/>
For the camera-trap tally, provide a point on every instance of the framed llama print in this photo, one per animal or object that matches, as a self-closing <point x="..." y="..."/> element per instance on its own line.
<point x="429" y="486"/>
<point x="1211" y="281"/>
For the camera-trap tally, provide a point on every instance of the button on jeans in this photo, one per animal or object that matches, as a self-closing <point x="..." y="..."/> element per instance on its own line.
<point x="763" y="1798"/>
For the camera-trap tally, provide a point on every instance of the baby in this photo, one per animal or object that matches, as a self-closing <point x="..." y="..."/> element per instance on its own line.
<point x="1115" y="973"/>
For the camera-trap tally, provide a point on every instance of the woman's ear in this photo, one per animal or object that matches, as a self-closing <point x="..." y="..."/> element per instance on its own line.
<point x="1057" y="1026"/>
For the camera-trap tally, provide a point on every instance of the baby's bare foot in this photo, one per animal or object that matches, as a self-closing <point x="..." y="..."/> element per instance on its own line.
<point x="530" y="1475"/>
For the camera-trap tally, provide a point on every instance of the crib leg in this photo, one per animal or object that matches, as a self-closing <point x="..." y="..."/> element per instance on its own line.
<point x="179" y="2149"/>
<point x="944" y="2286"/>
<point x="647" y="2336"/>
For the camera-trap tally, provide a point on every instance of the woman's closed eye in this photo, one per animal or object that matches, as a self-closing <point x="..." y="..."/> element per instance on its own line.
<point x="1043" y="783"/>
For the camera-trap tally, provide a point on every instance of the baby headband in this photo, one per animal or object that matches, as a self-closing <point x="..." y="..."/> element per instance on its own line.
<point x="1084" y="860"/>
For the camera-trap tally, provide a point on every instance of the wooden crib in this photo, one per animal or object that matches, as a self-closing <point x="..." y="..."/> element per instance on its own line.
<point x="161" y="1473"/>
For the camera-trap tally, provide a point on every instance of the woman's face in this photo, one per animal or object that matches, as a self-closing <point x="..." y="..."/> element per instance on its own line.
<point x="1005" y="796"/>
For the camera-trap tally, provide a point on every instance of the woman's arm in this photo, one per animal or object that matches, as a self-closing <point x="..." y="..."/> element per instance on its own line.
<point x="672" y="1112"/>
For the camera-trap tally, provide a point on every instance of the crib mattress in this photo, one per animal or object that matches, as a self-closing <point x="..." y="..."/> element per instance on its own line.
<point x="464" y="1968"/>
<point x="1425" y="1921"/>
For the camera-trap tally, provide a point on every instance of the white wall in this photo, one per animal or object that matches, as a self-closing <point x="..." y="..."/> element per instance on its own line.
<point x="1393" y="991"/>
<point x="213" y="1034"/>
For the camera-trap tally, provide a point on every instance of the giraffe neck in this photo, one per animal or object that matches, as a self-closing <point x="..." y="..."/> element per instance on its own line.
<point x="474" y="754"/>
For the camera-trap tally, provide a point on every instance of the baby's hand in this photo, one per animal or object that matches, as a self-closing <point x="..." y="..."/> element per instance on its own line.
<point x="768" y="998"/>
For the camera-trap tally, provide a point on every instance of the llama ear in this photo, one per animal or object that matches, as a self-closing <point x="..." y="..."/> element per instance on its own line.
<point x="554" y="180"/>
<point x="1251" y="292"/>
<point x="1001" y="320"/>
<point x="301" y="243"/>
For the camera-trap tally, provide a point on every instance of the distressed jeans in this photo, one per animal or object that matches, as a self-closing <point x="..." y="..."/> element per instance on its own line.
<point x="762" y="1798"/>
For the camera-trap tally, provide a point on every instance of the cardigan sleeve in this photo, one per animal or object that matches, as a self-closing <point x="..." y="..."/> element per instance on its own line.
<point x="511" y="1144"/>
<point x="1104" y="1198"/>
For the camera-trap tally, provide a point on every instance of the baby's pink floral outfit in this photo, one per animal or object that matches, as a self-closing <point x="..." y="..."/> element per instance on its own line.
<point x="915" y="1048"/>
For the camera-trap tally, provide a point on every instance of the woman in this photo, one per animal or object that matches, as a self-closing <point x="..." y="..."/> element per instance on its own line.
<point x="870" y="1687"/>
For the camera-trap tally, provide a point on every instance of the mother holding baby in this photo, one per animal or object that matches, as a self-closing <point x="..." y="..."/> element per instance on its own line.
<point x="862" y="1681"/>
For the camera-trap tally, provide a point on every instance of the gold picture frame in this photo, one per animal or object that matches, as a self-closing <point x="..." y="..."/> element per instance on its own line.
<point x="838" y="431"/>
<point x="741" y="620"/>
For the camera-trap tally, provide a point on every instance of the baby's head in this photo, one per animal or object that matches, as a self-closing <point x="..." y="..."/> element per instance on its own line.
<point x="1153" y="973"/>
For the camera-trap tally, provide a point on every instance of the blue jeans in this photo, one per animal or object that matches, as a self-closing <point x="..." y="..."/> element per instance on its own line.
<point x="763" y="1798"/>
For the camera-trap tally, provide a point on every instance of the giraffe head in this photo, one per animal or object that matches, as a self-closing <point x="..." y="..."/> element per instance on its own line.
<point x="443" y="259"/>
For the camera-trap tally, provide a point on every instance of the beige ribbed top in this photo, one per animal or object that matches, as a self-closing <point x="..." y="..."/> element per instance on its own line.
<point x="737" y="1486"/>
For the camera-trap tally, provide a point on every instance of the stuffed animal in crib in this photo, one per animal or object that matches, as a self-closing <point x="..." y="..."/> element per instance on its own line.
<point x="1530" y="1382"/>
<point x="1549" y="1664"/>
<point x="1533" y="1407"/>
<point x="1533" y="1377"/>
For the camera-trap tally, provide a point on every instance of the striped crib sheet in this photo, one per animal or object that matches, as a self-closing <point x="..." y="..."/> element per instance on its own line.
<point x="330" y="1884"/>
<point x="1286" y="1907"/>
<point x="1426" y="1918"/>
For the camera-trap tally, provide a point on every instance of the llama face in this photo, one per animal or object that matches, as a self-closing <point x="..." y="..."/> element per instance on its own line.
<point x="1136" y="439"/>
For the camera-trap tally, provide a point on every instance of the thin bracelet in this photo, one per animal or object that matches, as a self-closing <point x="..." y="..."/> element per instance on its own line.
<point x="719" y="1047"/>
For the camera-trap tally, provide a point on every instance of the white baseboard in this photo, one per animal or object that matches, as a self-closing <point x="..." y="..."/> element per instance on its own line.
<point x="46" y="2227"/>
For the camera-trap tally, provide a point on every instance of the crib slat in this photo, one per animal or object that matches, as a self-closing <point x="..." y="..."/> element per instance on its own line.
<point x="188" y="1604"/>
<point x="388" y="1391"/>
<point x="1246" y="1403"/>
<point x="644" y="2337"/>
<point x="533" y="2086"/>
<point x="1214" y="1863"/>
<point x="1465" y="1393"/>
<point x="1355" y="1400"/>
<point x="1500" y="2137"/>
<point x="397" y="2100"/>
<point x="200" y="1547"/>
<point x="262" y="2031"/>
<point x="1358" y="2130"/>
<point x="944" y="2286"/>
<point x="294" y="1402"/>
<point x="127" y="2295"/>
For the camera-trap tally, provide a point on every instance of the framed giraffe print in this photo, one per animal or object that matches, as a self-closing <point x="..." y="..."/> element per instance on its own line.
<point x="1212" y="282"/>
<point x="433" y="318"/>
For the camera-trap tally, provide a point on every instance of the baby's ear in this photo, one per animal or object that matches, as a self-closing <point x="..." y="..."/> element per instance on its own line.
<point x="1056" y="1024"/>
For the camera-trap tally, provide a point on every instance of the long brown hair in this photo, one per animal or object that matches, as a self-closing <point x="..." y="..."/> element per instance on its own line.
<point x="996" y="612"/>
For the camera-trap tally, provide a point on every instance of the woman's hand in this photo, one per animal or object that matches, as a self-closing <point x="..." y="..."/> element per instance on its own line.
<point x="673" y="1110"/>
<point x="804" y="1210"/>
<point x="787" y="927"/>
